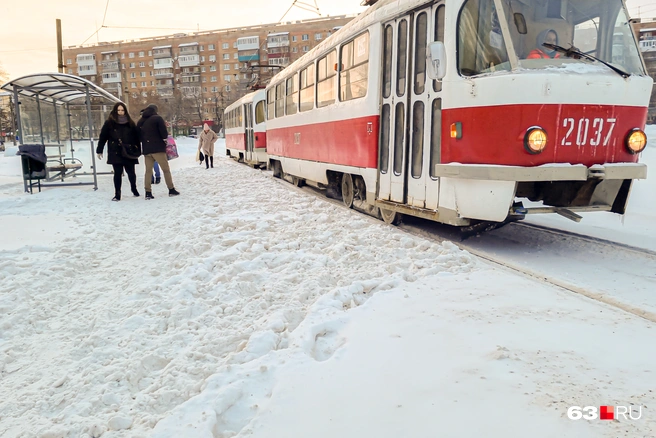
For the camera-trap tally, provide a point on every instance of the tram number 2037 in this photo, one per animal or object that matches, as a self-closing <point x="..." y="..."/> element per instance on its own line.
<point x="585" y="131"/>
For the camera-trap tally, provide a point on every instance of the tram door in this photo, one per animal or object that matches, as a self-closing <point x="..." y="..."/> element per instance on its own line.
<point x="393" y="124"/>
<point x="425" y="107"/>
<point x="250" y="137"/>
<point x="410" y="121"/>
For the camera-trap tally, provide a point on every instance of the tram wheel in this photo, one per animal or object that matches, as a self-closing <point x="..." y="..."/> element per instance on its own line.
<point x="277" y="170"/>
<point x="390" y="217"/>
<point x="347" y="190"/>
<point x="298" y="182"/>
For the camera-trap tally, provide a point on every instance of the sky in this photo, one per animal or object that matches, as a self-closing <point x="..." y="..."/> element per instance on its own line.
<point x="249" y="308"/>
<point x="28" y="45"/>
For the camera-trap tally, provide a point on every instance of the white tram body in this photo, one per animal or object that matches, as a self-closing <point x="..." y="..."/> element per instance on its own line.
<point x="440" y="110"/>
<point x="245" y="129"/>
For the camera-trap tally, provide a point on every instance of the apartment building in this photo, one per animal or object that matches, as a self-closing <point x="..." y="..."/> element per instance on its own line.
<point x="212" y="68"/>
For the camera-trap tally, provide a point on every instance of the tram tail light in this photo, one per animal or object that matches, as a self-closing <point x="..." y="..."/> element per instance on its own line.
<point x="456" y="130"/>
<point x="636" y="141"/>
<point x="535" y="140"/>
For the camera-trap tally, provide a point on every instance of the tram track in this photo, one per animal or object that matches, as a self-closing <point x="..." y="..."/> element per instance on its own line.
<point x="440" y="233"/>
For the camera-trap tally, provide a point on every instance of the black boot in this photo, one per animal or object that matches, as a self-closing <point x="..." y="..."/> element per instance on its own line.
<point x="173" y="192"/>
<point x="117" y="196"/>
<point x="135" y="192"/>
<point x="207" y="162"/>
<point x="149" y="195"/>
<point x="212" y="161"/>
<point x="158" y="180"/>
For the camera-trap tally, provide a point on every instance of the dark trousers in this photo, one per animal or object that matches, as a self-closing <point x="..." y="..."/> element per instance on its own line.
<point x="118" y="176"/>
<point x="207" y="161"/>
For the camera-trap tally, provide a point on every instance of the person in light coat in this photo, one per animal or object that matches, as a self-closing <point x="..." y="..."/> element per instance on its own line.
<point x="206" y="141"/>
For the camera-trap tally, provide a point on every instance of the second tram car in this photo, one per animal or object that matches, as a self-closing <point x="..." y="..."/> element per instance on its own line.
<point x="468" y="112"/>
<point x="245" y="129"/>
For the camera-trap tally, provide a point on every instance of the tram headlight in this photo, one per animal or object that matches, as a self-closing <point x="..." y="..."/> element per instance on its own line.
<point x="636" y="141"/>
<point x="535" y="140"/>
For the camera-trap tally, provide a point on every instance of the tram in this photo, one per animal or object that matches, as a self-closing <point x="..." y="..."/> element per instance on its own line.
<point x="245" y="129"/>
<point x="443" y="110"/>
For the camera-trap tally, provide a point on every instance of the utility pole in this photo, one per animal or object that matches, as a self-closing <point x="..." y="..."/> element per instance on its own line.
<point x="60" y="54"/>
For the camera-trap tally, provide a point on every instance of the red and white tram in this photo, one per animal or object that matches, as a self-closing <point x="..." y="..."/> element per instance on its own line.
<point x="245" y="129"/>
<point x="440" y="109"/>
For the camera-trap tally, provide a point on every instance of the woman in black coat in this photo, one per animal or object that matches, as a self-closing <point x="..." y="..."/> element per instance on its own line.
<point x="119" y="126"/>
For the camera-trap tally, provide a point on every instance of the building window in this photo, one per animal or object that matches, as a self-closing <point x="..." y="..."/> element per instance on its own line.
<point x="226" y="56"/>
<point x="133" y="75"/>
<point x="306" y="48"/>
<point x="213" y="79"/>
<point x="215" y="89"/>
<point x="150" y="53"/>
<point x="142" y="64"/>
<point x="132" y="65"/>
<point x="69" y="61"/>
<point x="236" y="66"/>
<point x="202" y="48"/>
<point x="225" y="46"/>
<point x="234" y="45"/>
<point x="236" y="56"/>
<point x="202" y="69"/>
<point x="202" y="59"/>
<point x="227" y="87"/>
<point x="212" y="67"/>
<point x="204" y="79"/>
<point x="131" y="55"/>
<point x="317" y="36"/>
<point x="70" y="71"/>
<point x="294" y="49"/>
<point x="226" y="66"/>
<point x="210" y="47"/>
<point x="141" y="54"/>
<point x="150" y="63"/>
<point x="204" y="89"/>
<point x="122" y="55"/>
<point x="123" y="66"/>
<point x="143" y="84"/>
<point x="294" y="38"/>
<point x="212" y="58"/>
<point x="305" y="37"/>
<point x="152" y="83"/>
<point x="133" y="84"/>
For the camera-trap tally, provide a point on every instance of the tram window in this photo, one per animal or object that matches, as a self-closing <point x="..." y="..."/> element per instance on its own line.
<point x="402" y="58"/>
<point x="355" y="68"/>
<point x="417" y="139"/>
<point x="439" y="36"/>
<point x="399" y="137"/>
<point x="436" y="137"/>
<point x="307" y="88"/>
<point x="240" y="121"/>
<point x="481" y="46"/>
<point x="421" y="29"/>
<point x="387" y="61"/>
<point x="280" y="99"/>
<point x="259" y="112"/>
<point x="291" y="103"/>
<point x="326" y="79"/>
<point x="384" y="138"/>
<point x="271" y="103"/>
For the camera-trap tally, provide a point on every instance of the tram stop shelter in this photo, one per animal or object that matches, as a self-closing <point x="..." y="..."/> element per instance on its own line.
<point x="44" y="106"/>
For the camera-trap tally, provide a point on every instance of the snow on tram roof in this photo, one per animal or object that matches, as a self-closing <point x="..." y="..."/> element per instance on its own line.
<point x="380" y="12"/>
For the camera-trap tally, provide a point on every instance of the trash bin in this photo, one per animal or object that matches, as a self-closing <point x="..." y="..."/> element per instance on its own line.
<point x="33" y="162"/>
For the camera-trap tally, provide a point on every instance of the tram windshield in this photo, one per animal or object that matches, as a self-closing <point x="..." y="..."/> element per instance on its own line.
<point x="490" y="30"/>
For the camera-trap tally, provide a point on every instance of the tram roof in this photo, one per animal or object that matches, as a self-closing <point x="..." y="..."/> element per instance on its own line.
<point x="59" y="88"/>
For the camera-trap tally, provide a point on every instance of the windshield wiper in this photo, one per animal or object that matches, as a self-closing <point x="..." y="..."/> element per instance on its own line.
<point x="575" y="53"/>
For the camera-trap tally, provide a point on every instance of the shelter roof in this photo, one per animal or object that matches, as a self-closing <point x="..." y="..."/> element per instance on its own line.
<point x="60" y="88"/>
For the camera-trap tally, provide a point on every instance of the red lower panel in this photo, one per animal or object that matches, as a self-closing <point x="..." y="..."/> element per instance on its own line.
<point x="352" y="142"/>
<point x="236" y="141"/>
<point x="260" y="139"/>
<point x="576" y="134"/>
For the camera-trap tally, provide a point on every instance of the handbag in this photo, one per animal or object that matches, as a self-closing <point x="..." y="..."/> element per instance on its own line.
<point x="201" y="157"/>
<point x="171" y="151"/>
<point x="131" y="151"/>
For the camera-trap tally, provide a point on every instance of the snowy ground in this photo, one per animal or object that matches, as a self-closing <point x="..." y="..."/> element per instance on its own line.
<point x="245" y="309"/>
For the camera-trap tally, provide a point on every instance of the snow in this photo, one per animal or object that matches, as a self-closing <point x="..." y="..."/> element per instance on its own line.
<point x="247" y="308"/>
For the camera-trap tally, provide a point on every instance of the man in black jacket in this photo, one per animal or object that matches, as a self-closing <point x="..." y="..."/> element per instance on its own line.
<point x="153" y="133"/>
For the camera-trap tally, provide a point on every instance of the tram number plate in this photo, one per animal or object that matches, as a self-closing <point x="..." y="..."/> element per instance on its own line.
<point x="585" y="131"/>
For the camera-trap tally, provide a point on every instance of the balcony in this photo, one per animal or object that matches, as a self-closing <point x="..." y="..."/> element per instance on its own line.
<point x="165" y="90"/>
<point x="248" y="43"/>
<point x="162" y="52"/>
<point x="87" y="70"/>
<point x="110" y="66"/>
<point x="111" y="78"/>
<point x="280" y="39"/>
<point x="249" y="56"/>
<point x="164" y="73"/>
<point x="188" y="60"/>
<point x="163" y="63"/>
